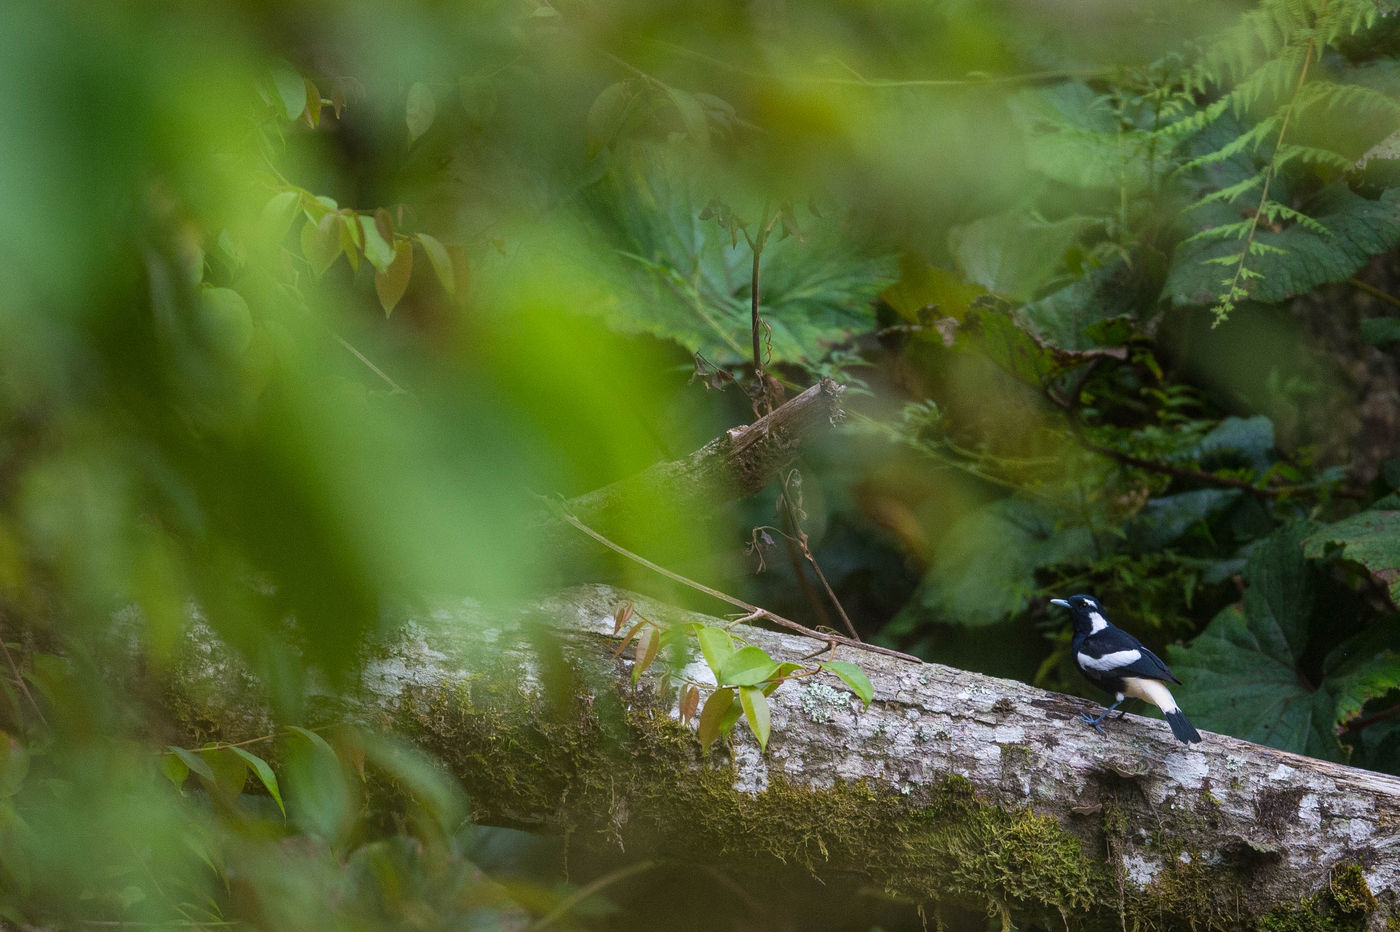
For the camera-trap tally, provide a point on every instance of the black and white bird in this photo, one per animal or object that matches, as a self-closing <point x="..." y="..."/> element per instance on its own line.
<point x="1114" y="660"/>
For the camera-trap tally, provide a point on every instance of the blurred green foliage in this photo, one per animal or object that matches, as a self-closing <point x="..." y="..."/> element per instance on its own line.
<point x="305" y="303"/>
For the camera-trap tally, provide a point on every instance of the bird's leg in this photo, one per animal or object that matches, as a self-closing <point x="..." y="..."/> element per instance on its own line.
<point x="1095" y="721"/>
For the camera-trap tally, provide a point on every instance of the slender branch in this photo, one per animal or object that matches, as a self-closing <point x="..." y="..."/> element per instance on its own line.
<point x="753" y="610"/>
<point x="20" y="683"/>
<point x="1374" y="292"/>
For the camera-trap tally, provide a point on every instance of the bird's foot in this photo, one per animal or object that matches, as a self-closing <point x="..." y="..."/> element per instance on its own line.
<point x="1090" y="720"/>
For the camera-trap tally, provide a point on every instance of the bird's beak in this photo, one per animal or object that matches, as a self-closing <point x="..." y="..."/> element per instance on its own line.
<point x="1060" y="602"/>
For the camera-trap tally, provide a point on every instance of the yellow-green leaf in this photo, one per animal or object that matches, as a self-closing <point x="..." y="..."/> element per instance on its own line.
<point x="378" y="250"/>
<point x="712" y="716"/>
<point x="756" y="713"/>
<point x="265" y="776"/>
<point x="420" y="110"/>
<point x="441" y="262"/>
<point x="391" y="282"/>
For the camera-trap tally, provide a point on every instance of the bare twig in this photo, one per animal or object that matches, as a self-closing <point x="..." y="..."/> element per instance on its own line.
<point x="792" y="510"/>
<point x="583" y="893"/>
<point x="754" y="611"/>
<point x="20" y="684"/>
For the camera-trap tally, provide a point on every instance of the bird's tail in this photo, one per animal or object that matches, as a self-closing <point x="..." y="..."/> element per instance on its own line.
<point x="1181" y="727"/>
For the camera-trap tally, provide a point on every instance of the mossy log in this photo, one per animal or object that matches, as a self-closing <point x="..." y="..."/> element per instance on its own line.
<point x="958" y="794"/>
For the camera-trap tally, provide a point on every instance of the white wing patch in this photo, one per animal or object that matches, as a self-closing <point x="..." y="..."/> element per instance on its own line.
<point x="1109" y="662"/>
<point x="1096" y="623"/>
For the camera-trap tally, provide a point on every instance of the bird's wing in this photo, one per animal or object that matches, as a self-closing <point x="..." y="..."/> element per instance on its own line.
<point x="1115" y="651"/>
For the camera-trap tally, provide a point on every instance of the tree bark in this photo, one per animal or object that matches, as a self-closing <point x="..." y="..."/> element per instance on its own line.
<point x="954" y="791"/>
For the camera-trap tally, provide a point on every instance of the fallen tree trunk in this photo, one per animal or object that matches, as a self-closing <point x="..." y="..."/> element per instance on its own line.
<point x="954" y="791"/>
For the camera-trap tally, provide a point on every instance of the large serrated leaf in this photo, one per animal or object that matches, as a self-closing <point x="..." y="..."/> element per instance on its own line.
<point x="1371" y="539"/>
<point x="1243" y="676"/>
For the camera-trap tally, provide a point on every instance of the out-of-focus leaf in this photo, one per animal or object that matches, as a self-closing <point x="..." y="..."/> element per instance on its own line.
<point x="224" y="323"/>
<point x="420" y="110"/>
<point x="926" y="290"/>
<point x="1013" y="255"/>
<point x="853" y="676"/>
<point x="756" y="713"/>
<point x="321" y="242"/>
<point x="174" y="769"/>
<point x="313" y="104"/>
<point x="441" y="262"/>
<point x="1252" y="438"/>
<point x="1164" y="519"/>
<point x="378" y="250"/>
<point x="692" y="116"/>
<point x="421" y="776"/>
<point x="230" y="774"/>
<point x="392" y="282"/>
<point x="607" y="115"/>
<point x="193" y="761"/>
<point x="14" y="765"/>
<point x="1380" y="331"/>
<point x="986" y="568"/>
<point x="712" y="716"/>
<point x="265" y="775"/>
<point x="277" y="216"/>
<point x="1370" y="539"/>
<point x="747" y="666"/>
<point x="291" y="90"/>
<point x="319" y="798"/>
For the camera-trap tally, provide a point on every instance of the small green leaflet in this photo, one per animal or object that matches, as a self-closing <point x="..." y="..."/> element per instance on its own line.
<point x="265" y="776"/>
<point x="712" y="716"/>
<point x="853" y="676"/>
<point x="747" y="666"/>
<point x="193" y="761"/>
<point x="756" y="712"/>
<point x="716" y="645"/>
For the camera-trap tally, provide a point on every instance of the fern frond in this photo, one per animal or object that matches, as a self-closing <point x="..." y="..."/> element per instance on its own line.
<point x="1288" y="153"/>
<point x="1228" y="194"/>
<point x="1224" y="231"/>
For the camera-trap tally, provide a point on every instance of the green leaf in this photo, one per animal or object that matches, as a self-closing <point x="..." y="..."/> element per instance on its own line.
<point x="1243" y="674"/>
<point x="265" y="776"/>
<point x="716" y="645"/>
<point x="607" y="115"/>
<point x="391" y="283"/>
<point x="987" y="563"/>
<point x="712" y="716"/>
<point x="14" y="765"/>
<point x="697" y="127"/>
<point x="291" y="90"/>
<point x="321" y="242"/>
<point x="1370" y="539"/>
<point x="1014" y="255"/>
<point x="230" y="773"/>
<point x="441" y="262"/>
<point x="194" y="762"/>
<point x="277" y="216"/>
<point x="175" y="770"/>
<point x="756" y="713"/>
<point x="748" y="666"/>
<point x="378" y="250"/>
<point x="425" y="780"/>
<point x="420" y="110"/>
<point x="853" y="676"/>
<point x="1380" y="331"/>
